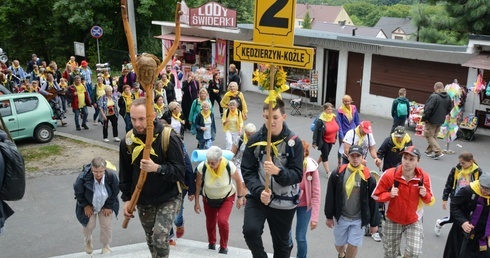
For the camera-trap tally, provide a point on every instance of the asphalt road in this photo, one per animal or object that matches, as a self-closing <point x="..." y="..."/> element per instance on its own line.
<point x="44" y="224"/>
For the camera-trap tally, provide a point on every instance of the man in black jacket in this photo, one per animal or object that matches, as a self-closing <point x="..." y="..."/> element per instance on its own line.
<point x="349" y="201"/>
<point x="160" y="198"/>
<point x="277" y="205"/>
<point x="391" y="148"/>
<point x="436" y="108"/>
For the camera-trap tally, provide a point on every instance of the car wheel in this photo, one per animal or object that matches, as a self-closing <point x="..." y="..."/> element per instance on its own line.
<point x="43" y="133"/>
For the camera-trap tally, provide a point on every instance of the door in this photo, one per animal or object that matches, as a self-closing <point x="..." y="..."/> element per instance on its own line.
<point x="355" y="64"/>
<point x="9" y="117"/>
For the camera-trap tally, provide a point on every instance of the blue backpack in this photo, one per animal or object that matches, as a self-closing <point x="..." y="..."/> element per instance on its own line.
<point x="312" y="126"/>
<point x="401" y="109"/>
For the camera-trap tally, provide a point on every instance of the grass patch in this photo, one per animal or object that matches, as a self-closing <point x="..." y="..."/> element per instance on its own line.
<point x="43" y="151"/>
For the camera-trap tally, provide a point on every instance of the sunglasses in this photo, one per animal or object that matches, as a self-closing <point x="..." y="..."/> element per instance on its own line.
<point x="485" y="188"/>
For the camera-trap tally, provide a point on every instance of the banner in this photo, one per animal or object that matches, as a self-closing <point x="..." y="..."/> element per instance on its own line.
<point x="220" y="51"/>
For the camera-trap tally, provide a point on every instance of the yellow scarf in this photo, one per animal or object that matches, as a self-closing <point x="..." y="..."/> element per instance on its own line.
<point x="136" y="94"/>
<point x="107" y="76"/>
<point x="326" y="117"/>
<point x="358" y="133"/>
<point x="466" y="172"/>
<point x="81" y="95"/>
<point x="140" y="145"/>
<point x="205" y="114"/>
<point x="127" y="100"/>
<point x="274" y="149"/>
<point x="36" y="72"/>
<point x="347" y="111"/>
<point x="4" y="82"/>
<point x="232" y="112"/>
<point x="159" y="92"/>
<point x="400" y="145"/>
<point x="245" y="138"/>
<point x="15" y="66"/>
<point x="159" y="109"/>
<point x="349" y="184"/>
<point x="165" y="84"/>
<point x="63" y="85"/>
<point x="216" y="174"/>
<point x="475" y="185"/>
<point x="100" y="91"/>
<point x="177" y="117"/>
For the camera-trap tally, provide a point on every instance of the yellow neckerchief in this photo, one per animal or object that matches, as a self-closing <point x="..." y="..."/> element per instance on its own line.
<point x="159" y="108"/>
<point x="347" y="111"/>
<point x="206" y="114"/>
<point x="63" y="85"/>
<point x="475" y="185"/>
<point x="127" y="100"/>
<point x="233" y="112"/>
<point x="165" y="84"/>
<point x="216" y="174"/>
<point x="400" y="145"/>
<point x="274" y="149"/>
<point x="50" y="85"/>
<point x="15" y="67"/>
<point x="36" y="72"/>
<point x="100" y="91"/>
<point x="358" y="133"/>
<point x="80" y="88"/>
<point x="48" y="69"/>
<point x="326" y="117"/>
<point x="159" y="92"/>
<point x="177" y="117"/>
<point x="349" y="184"/>
<point x="5" y="81"/>
<point x="466" y="172"/>
<point x="140" y="145"/>
<point x="42" y="76"/>
<point x="136" y="94"/>
<point x="107" y="76"/>
<point x="245" y="138"/>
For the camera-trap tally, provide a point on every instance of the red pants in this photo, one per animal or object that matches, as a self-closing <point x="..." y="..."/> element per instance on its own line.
<point x="219" y="216"/>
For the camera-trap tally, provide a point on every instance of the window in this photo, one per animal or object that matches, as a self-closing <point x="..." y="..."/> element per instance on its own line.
<point x="5" y="108"/>
<point x="23" y="105"/>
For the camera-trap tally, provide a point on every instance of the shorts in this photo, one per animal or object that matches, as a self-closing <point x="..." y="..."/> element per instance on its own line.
<point x="348" y="231"/>
<point x="326" y="148"/>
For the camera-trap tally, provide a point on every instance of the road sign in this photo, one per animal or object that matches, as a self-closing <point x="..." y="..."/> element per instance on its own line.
<point x="274" y="21"/>
<point x="79" y="48"/>
<point x="290" y="56"/>
<point x="96" y="32"/>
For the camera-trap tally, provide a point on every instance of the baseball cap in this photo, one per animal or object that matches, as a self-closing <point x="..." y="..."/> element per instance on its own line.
<point x="366" y="127"/>
<point x="355" y="149"/>
<point x="399" y="131"/>
<point x="412" y="151"/>
<point x="84" y="63"/>
<point x="485" y="180"/>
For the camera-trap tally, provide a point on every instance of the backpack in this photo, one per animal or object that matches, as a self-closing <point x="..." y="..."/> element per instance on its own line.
<point x="227" y="111"/>
<point x="312" y="126"/>
<point x="14" y="178"/>
<point x="401" y="109"/>
<point x="238" y="100"/>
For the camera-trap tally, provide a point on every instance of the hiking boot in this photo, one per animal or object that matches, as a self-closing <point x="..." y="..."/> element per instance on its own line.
<point x="88" y="247"/>
<point x="172" y="242"/>
<point x="212" y="246"/>
<point x="223" y="250"/>
<point x="437" y="227"/>
<point x="437" y="156"/>
<point x="79" y="129"/>
<point x="106" y="250"/>
<point x="376" y="237"/>
<point x="180" y="232"/>
<point x="85" y="127"/>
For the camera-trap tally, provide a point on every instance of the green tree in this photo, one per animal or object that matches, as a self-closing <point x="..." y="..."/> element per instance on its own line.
<point x="307" y="21"/>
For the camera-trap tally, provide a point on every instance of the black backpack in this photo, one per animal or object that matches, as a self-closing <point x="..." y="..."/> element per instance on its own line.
<point x="238" y="100"/>
<point x="14" y="178"/>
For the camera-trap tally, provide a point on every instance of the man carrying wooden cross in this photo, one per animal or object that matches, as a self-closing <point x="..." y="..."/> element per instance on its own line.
<point x="273" y="199"/>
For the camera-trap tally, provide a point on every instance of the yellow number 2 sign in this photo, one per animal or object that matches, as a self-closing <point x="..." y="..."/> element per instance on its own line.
<point x="274" y="21"/>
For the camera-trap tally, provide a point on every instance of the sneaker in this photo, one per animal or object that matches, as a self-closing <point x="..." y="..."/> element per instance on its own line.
<point x="223" y="250"/>
<point x="180" y="232"/>
<point x="429" y="154"/>
<point x="437" y="227"/>
<point x="437" y="156"/>
<point x="106" y="140"/>
<point x="376" y="237"/>
<point x="172" y="242"/>
<point x="88" y="247"/>
<point x="79" y="129"/>
<point x="106" y="250"/>
<point x="85" y="127"/>
<point x="95" y="123"/>
<point x="116" y="139"/>
<point x="212" y="246"/>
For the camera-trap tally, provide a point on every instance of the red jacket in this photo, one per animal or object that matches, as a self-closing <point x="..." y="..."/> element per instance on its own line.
<point x="403" y="209"/>
<point x="74" y="98"/>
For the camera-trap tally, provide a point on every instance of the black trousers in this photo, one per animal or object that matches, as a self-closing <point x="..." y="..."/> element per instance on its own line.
<point x="279" y="225"/>
<point x="217" y="98"/>
<point x="113" y="120"/>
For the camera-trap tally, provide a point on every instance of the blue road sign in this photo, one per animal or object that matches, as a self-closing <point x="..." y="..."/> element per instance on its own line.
<point x="96" y="31"/>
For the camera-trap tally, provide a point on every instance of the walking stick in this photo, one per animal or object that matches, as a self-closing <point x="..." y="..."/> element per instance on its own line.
<point x="147" y="68"/>
<point x="272" y="103"/>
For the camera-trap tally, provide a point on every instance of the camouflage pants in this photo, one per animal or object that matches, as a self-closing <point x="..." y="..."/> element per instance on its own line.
<point x="157" y="221"/>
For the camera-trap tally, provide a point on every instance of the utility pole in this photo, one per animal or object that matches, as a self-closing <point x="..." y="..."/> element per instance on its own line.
<point x="132" y="24"/>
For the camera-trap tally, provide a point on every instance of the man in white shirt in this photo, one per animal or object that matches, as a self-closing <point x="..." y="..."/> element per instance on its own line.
<point x="362" y="135"/>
